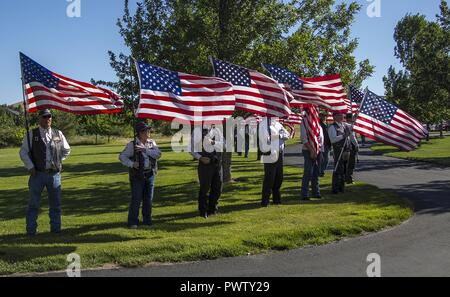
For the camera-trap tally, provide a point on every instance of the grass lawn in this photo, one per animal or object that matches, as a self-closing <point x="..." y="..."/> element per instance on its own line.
<point x="95" y="202"/>
<point x="437" y="151"/>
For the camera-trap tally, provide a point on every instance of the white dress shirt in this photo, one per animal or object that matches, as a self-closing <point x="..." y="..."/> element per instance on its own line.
<point x="151" y="151"/>
<point x="278" y="136"/>
<point x="46" y="135"/>
<point x="197" y="142"/>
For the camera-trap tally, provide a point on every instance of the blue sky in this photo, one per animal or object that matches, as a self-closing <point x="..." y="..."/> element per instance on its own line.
<point x="77" y="47"/>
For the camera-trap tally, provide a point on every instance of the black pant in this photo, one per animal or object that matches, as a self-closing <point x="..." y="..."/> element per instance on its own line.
<point x="247" y="144"/>
<point x="210" y="178"/>
<point x="273" y="179"/>
<point x="339" y="173"/>
<point x="350" y="167"/>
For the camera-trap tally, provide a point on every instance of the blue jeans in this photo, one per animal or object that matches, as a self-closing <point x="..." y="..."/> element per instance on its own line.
<point x="311" y="174"/>
<point x="36" y="184"/>
<point x="141" y="192"/>
<point x="325" y="160"/>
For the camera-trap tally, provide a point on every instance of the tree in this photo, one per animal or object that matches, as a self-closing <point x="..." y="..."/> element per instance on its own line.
<point x="422" y="47"/>
<point x="311" y="37"/>
<point x="106" y="124"/>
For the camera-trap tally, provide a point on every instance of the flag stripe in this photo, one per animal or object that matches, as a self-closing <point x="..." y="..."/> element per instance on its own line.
<point x="46" y="89"/>
<point x="197" y="99"/>
<point x="326" y="91"/>
<point x="380" y="136"/>
<point x="37" y="91"/>
<point x="395" y="131"/>
<point x="254" y="91"/>
<point x="185" y="110"/>
<point x="312" y="126"/>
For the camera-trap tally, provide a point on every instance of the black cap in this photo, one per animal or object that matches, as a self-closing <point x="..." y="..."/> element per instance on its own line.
<point x="349" y="116"/>
<point x="141" y="126"/>
<point x="45" y="112"/>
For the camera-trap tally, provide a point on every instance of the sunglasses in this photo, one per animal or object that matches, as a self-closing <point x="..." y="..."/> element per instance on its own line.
<point x="47" y="117"/>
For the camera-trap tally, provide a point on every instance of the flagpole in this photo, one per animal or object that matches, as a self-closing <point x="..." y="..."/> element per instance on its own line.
<point x="133" y="108"/>
<point x="351" y="130"/>
<point x="366" y="91"/>
<point x="27" y="127"/>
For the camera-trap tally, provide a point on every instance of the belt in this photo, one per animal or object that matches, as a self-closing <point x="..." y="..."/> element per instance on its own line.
<point x="48" y="171"/>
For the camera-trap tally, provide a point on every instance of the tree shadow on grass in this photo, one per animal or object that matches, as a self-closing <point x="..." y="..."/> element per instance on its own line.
<point x="223" y="209"/>
<point x="17" y="255"/>
<point x="97" y="199"/>
<point x="74" y="235"/>
<point x="75" y="202"/>
<point x="101" y="199"/>
<point x="13" y="171"/>
<point x="84" y="169"/>
<point x="355" y="194"/>
<point x="78" y="235"/>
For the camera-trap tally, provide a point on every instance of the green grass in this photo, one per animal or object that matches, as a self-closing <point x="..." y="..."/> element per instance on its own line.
<point x="95" y="201"/>
<point x="437" y="151"/>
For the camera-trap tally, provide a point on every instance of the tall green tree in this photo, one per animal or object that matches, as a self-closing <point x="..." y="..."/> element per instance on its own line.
<point x="423" y="47"/>
<point x="312" y="37"/>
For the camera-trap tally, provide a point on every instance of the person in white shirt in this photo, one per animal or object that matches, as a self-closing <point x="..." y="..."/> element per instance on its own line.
<point x="42" y="153"/>
<point x="272" y="137"/>
<point x="312" y="163"/>
<point x="207" y="147"/>
<point x="140" y="156"/>
<point x="341" y="138"/>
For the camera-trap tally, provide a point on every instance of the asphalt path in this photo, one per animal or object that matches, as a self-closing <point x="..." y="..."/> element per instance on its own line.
<point x="418" y="247"/>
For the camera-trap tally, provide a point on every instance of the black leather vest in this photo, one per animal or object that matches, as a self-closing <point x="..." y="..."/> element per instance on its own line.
<point x="39" y="151"/>
<point x="139" y="172"/>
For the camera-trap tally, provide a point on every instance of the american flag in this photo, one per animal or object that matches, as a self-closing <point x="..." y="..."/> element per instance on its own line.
<point x="293" y="119"/>
<point x="352" y="107"/>
<point x="356" y="97"/>
<point x="384" y="122"/>
<point x="325" y="91"/>
<point x="169" y="95"/>
<point x="288" y="81"/>
<point x="290" y="122"/>
<point x="46" y="89"/>
<point x="329" y="119"/>
<point x="311" y="121"/>
<point x="254" y="91"/>
<point x="291" y="129"/>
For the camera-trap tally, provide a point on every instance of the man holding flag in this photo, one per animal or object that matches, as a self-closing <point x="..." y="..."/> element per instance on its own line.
<point x="354" y="149"/>
<point x="42" y="153"/>
<point x="44" y="148"/>
<point x="342" y="139"/>
<point x="312" y="138"/>
<point x="141" y="157"/>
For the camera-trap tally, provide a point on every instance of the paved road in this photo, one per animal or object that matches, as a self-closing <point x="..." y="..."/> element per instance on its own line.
<point x="419" y="247"/>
